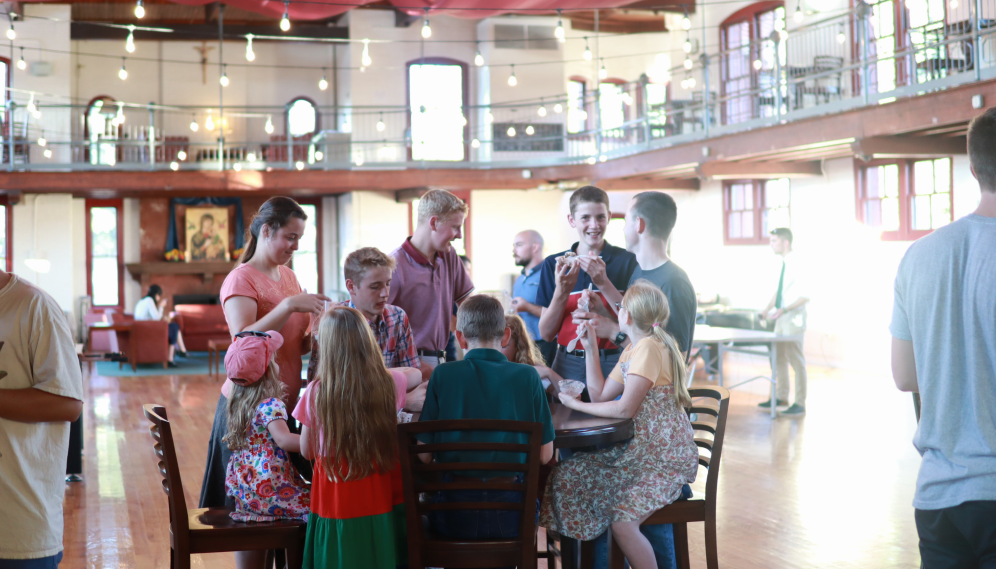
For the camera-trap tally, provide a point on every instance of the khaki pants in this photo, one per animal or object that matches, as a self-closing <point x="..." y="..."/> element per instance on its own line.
<point x="790" y="353"/>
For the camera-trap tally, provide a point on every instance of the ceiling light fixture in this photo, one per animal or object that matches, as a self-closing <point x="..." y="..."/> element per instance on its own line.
<point x="269" y="125"/>
<point x="21" y="64"/>
<point x="512" y="81"/>
<point x="11" y="34"/>
<point x="285" y="20"/>
<point x="587" y="50"/>
<point x="686" y="24"/>
<point x="122" y="73"/>
<point x="689" y="63"/>
<point x="130" y="42"/>
<point x="193" y="123"/>
<point x="798" y="15"/>
<point x="323" y="84"/>
<point x="209" y="123"/>
<point x="511" y="131"/>
<point x="139" y="10"/>
<point x="558" y="108"/>
<point x="365" y="57"/>
<point x="841" y="36"/>
<point x="559" y="32"/>
<point x="182" y="155"/>
<point x="603" y="73"/>
<point x="426" y="29"/>
<point x="380" y="124"/>
<point x="250" y="54"/>
<point x="478" y="59"/>
<point x="475" y="143"/>
<point x="224" y="76"/>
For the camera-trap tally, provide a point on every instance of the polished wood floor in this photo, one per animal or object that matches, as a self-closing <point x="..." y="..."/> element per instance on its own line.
<point x="831" y="489"/>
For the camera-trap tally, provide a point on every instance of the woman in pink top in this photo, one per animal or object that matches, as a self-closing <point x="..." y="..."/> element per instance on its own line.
<point x="262" y="294"/>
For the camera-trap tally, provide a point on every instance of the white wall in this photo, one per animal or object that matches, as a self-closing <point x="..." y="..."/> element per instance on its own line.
<point x="369" y="219"/>
<point x="132" y="252"/>
<point x="48" y="226"/>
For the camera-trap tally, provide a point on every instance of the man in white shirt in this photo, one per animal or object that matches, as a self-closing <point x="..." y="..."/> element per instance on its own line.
<point x="41" y="393"/>
<point x="788" y="311"/>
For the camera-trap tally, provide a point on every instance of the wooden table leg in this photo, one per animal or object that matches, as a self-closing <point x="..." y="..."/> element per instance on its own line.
<point x="774" y="377"/>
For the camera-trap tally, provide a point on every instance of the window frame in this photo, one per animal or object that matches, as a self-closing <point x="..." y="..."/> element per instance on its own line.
<point x="758" y="195"/>
<point x="119" y="204"/>
<point x="748" y="14"/>
<point x="620" y="131"/>
<point x="317" y="203"/>
<point x="9" y="233"/>
<point x="585" y="103"/>
<point x="906" y="195"/>
<point x="465" y="79"/>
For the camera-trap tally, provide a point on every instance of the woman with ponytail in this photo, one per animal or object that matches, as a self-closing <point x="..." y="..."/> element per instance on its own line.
<point x="623" y="484"/>
<point x="262" y="294"/>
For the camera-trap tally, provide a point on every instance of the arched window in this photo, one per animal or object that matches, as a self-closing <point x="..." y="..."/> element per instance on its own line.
<point x="302" y="117"/>
<point x="103" y="117"/>
<point x="613" y="102"/>
<point x="748" y="64"/>
<point x="437" y="97"/>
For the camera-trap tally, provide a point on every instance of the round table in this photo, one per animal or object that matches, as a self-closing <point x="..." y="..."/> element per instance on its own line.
<point x="575" y="429"/>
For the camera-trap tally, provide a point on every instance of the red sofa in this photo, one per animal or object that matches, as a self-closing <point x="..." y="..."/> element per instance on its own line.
<point x="200" y="323"/>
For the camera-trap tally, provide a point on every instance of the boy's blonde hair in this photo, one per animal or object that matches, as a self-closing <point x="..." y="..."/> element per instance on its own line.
<point x="244" y="402"/>
<point x="360" y="261"/>
<point x="647" y="306"/>
<point x="440" y="204"/>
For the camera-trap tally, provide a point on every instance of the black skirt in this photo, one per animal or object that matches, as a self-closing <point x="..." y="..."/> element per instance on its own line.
<point x="213" y="494"/>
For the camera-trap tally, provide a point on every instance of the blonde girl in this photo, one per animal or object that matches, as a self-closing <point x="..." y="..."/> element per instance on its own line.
<point x="522" y="350"/>
<point x="349" y="417"/>
<point x="260" y="478"/>
<point x="623" y="484"/>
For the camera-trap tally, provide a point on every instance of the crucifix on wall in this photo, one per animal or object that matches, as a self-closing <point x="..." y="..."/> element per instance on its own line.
<point x="203" y="50"/>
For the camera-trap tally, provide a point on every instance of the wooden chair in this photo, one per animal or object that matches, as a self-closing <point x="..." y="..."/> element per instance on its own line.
<point x="709" y="433"/>
<point x="212" y="530"/>
<point x="428" y="550"/>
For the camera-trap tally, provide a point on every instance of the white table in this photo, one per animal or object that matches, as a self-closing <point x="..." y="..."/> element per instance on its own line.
<point x="753" y="342"/>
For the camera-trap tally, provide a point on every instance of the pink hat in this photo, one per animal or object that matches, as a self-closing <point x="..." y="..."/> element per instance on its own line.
<point x="250" y="354"/>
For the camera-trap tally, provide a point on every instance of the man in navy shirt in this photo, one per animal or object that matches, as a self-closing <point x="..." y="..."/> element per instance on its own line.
<point x="606" y="267"/>
<point x="527" y="249"/>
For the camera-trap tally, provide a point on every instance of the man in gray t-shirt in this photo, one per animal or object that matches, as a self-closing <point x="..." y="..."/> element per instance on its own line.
<point x="944" y="347"/>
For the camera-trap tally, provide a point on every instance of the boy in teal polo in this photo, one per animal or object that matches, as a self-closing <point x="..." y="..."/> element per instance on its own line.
<point x="484" y="385"/>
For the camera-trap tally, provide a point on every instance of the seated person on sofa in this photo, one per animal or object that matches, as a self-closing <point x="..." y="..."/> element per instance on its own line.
<point x="151" y="308"/>
<point x="483" y="385"/>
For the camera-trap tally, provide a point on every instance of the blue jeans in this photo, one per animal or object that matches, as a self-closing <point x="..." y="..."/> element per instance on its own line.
<point x="661" y="538"/>
<point x="51" y="562"/>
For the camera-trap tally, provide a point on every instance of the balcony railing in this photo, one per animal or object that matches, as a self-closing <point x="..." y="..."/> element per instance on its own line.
<point x="827" y="66"/>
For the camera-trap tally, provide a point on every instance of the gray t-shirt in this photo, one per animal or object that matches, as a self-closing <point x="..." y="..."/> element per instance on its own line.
<point x="946" y="305"/>
<point x="680" y="294"/>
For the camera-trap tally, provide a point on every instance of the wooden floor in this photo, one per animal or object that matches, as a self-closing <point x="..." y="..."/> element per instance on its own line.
<point x="832" y="489"/>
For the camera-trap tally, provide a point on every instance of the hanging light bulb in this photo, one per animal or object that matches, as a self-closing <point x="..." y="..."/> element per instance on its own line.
<point x="689" y="63"/>
<point x="237" y="167"/>
<point x="478" y="59"/>
<point x="21" y="64"/>
<point x="758" y="64"/>
<point x="687" y="46"/>
<point x="380" y="123"/>
<point x="691" y="82"/>
<point x="209" y="123"/>
<point x="558" y="108"/>
<point x="603" y="73"/>
<point x="250" y="54"/>
<point x="299" y="165"/>
<point x="426" y="30"/>
<point x="365" y="58"/>
<point x="841" y="36"/>
<point x="193" y="123"/>
<point x="475" y="143"/>
<point x="512" y="81"/>
<point x="954" y="4"/>
<point x="182" y="155"/>
<point x="48" y="153"/>
<point x="11" y="34"/>
<point x="510" y="131"/>
<point x="31" y="105"/>
<point x="530" y="130"/>
<point x="174" y="165"/>
<point x="224" y="76"/>
<point x="251" y="157"/>
<point x="323" y="84"/>
<point x="285" y="20"/>
<point x="542" y="110"/>
<point x="41" y="140"/>
<point x="686" y="24"/>
<point x="798" y="15"/>
<point x="319" y="155"/>
<point x="130" y="42"/>
<point x="488" y="117"/>
<point x="559" y="32"/>
<point x="122" y="73"/>
<point x="139" y="10"/>
<point x="269" y="125"/>
<point x="587" y="50"/>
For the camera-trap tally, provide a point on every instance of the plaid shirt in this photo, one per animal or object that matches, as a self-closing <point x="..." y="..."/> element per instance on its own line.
<point x="393" y="334"/>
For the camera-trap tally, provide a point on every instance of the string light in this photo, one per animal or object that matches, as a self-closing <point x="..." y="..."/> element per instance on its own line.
<point x="511" y="131"/>
<point x="758" y="64"/>
<point x="841" y="36"/>
<point x="319" y="155"/>
<point x="687" y="47"/>
<point x="559" y="32"/>
<point x="689" y="63"/>
<point x="130" y="42"/>
<point x="174" y="165"/>
<point x="512" y="81"/>
<point x="365" y="58"/>
<point x="530" y="130"/>
<point x="250" y="54"/>
<point x="224" y="76"/>
<point x="478" y="59"/>
<point x="475" y="143"/>
<point x="122" y="73"/>
<point x="11" y="34"/>
<point x="237" y="167"/>
<point x="299" y="165"/>
<point x="603" y="73"/>
<point x="31" y="105"/>
<point x="686" y="24"/>
<point x="41" y="139"/>
<point x="954" y="4"/>
<point x="21" y="64"/>
<point x="426" y="30"/>
<point x="798" y="15"/>
<point x="251" y="157"/>
<point x="193" y="123"/>
<point x="139" y="10"/>
<point x="323" y="84"/>
<point x="380" y="123"/>
<point x="488" y="117"/>
<point x="587" y="50"/>
<point x="542" y="110"/>
<point x="48" y="153"/>
<point x="558" y="108"/>
<point x="182" y="155"/>
<point x="269" y="125"/>
<point x="209" y="123"/>
<point x="285" y="20"/>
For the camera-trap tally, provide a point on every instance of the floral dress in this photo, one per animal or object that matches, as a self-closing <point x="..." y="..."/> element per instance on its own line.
<point x="261" y="477"/>
<point x="628" y="480"/>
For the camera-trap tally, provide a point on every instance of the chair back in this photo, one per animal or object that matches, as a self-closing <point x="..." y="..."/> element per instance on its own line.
<point x="165" y="451"/>
<point x="709" y="432"/>
<point x="418" y="477"/>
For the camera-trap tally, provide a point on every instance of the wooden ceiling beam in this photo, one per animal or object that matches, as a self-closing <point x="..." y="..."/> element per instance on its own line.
<point x="205" y="32"/>
<point x="759" y="170"/>
<point x="908" y="147"/>
<point x="648" y="184"/>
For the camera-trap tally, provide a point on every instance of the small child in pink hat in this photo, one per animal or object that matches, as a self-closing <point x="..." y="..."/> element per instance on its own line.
<point x="261" y="477"/>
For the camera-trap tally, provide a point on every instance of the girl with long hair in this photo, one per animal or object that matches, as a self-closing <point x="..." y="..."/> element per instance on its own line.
<point x="522" y="350"/>
<point x="349" y="416"/>
<point x="625" y="483"/>
<point x="261" y="478"/>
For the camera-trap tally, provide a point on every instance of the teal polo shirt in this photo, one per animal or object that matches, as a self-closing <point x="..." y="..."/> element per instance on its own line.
<point x="485" y="385"/>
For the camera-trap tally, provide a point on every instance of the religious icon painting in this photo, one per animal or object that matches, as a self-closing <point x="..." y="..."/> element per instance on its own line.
<point x="206" y="234"/>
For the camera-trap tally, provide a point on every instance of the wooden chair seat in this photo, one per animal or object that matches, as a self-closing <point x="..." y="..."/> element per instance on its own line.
<point x="210" y="528"/>
<point x="691" y="510"/>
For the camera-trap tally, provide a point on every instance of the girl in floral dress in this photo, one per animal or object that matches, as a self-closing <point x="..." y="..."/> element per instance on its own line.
<point x="625" y="483"/>
<point x="260" y="478"/>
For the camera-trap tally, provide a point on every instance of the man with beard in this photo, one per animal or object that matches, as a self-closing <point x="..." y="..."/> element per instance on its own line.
<point x="527" y="250"/>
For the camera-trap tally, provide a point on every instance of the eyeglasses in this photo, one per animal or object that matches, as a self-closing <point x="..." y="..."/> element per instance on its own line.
<point x="252" y="333"/>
